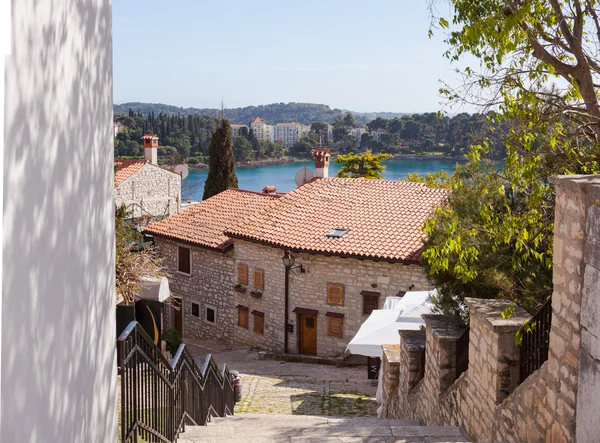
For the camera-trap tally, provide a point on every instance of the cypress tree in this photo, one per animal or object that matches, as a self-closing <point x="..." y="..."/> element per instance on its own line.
<point x="221" y="171"/>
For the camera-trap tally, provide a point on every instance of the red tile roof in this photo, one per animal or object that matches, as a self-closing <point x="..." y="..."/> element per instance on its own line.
<point x="384" y="219"/>
<point x="204" y="223"/>
<point x="125" y="168"/>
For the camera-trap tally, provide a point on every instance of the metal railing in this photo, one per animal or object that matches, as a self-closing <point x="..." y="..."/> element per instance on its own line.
<point x="158" y="398"/>
<point x="462" y="353"/>
<point x="535" y="341"/>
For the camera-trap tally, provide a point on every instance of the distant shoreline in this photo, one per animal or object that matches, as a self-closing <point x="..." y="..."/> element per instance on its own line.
<point x="284" y="160"/>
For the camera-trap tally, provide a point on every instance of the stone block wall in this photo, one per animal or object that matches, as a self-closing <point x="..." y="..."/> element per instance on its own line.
<point x="309" y="290"/>
<point x="153" y="189"/>
<point x="557" y="403"/>
<point x="209" y="285"/>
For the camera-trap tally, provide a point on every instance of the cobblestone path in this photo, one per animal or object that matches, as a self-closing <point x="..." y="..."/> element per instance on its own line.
<point x="272" y="387"/>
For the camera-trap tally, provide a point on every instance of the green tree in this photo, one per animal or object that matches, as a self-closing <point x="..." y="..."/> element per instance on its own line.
<point x="303" y="148"/>
<point x="494" y="236"/>
<point x="242" y="149"/>
<point x="364" y="165"/>
<point x="349" y="120"/>
<point x="221" y="172"/>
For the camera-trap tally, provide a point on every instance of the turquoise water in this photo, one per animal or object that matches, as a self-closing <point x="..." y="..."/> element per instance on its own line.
<point x="255" y="178"/>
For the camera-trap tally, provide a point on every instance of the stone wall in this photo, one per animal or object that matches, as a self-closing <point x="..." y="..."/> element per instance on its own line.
<point x="309" y="290"/>
<point x="209" y="285"/>
<point x="151" y="190"/>
<point x="487" y="400"/>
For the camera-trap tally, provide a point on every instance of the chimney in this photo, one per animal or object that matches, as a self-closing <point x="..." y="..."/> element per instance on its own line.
<point x="151" y="148"/>
<point x="321" y="156"/>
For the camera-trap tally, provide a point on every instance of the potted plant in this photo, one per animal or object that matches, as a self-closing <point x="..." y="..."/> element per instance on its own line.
<point x="256" y="294"/>
<point x="239" y="288"/>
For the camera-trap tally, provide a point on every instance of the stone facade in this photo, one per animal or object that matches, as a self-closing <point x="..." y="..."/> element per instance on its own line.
<point x="209" y="285"/>
<point x="309" y="290"/>
<point x="150" y="191"/>
<point x="486" y="400"/>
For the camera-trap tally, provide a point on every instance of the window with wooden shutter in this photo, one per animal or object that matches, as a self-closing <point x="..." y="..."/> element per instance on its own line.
<point x="184" y="260"/>
<point x="335" y="327"/>
<point x="243" y="317"/>
<point x="243" y="275"/>
<point x="259" y="322"/>
<point x="259" y="279"/>
<point x="335" y="294"/>
<point x="370" y="301"/>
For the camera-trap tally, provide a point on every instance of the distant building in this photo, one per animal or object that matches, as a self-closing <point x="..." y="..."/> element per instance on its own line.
<point x="378" y="133"/>
<point x="307" y="128"/>
<point x="118" y="127"/>
<point x="261" y="131"/>
<point x="146" y="189"/>
<point x="288" y="133"/>
<point x="237" y="130"/>
<point x="357" y="133"/>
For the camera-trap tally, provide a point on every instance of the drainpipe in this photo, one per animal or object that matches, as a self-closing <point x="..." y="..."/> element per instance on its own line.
<point x="286" y="307"/>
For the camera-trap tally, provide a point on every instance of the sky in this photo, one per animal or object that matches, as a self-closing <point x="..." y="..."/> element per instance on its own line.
<point x="365" y="56"/>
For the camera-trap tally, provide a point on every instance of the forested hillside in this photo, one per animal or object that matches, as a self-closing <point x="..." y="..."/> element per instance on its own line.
<point x="274" y="113"/>
<point x="186" y="138"/>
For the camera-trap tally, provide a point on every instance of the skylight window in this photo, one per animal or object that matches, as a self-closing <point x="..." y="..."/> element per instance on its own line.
<point x="337" y="233"/>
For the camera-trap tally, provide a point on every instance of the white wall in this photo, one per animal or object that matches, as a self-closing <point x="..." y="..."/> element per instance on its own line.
<point x="58" y="374"/>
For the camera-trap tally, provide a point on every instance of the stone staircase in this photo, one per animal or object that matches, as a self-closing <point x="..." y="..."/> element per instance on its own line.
<point x="256" y="428"/>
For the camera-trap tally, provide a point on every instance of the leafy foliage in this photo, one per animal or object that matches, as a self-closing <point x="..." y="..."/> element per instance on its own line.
<point x="364" y="165"/>
<point x="173" y="339"/>
<point x="493" y="239"/>
<point x="221" y="172"/>
<point x="433" y="133"/>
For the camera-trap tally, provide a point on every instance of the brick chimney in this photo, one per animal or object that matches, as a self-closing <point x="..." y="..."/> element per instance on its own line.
<point x="151" y="148"/>
<point x="321" y="156"/>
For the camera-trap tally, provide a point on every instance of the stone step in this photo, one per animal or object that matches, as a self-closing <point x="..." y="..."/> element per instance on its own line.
<point x="255" y="428"/>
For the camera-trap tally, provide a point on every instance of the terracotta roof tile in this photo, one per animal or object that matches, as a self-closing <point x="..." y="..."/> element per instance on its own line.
<point x="125" y="168"/>
<point x="384" y="218"/>
<point x="204" y="223"/>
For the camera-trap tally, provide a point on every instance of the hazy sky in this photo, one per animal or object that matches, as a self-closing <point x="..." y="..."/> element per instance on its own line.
<point x="358" y="55"/>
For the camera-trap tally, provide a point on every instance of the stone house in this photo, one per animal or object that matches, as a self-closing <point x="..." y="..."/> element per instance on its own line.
<point x="354" y="241"/>
<point x="199" y="258"/>
<point x="146" y="189"/>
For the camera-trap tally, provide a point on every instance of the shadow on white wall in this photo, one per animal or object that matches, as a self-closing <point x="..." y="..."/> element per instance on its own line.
<point x="58" y="339"/>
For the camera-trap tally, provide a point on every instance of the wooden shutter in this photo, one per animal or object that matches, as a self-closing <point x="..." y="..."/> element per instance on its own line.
<point x="258" y="324"/>
<point x="184" y="260"/>
<point x="335" y="327"/>
<point x="243" y="274"/>
<point x="259" y="279"/>
<point x="370" y="303"/>
<point x="243" y="318"/>
<point x="335" y="294"/>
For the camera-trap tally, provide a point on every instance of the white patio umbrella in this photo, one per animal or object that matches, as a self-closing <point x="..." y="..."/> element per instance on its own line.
<point x="383" y="325"/>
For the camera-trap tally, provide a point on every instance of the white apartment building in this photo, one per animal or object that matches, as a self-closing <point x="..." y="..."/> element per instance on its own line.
<point x="288" y="133"/>
<point x="235" y="130"/>
<point x="261" y="130"/>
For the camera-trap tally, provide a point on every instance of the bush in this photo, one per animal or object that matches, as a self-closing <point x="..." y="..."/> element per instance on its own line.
<point x="173" y="339"/>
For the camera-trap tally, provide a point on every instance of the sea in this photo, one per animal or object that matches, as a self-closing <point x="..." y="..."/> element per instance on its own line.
<point x="283" y="176"/>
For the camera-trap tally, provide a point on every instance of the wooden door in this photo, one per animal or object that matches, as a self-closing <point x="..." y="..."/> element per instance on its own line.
<point x="307" y="332"/>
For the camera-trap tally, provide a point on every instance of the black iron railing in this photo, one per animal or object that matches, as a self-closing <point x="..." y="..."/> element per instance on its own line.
<point x="535" y="341"/>
<point x="462" y="353"/>
<point x="159" y="398"/>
